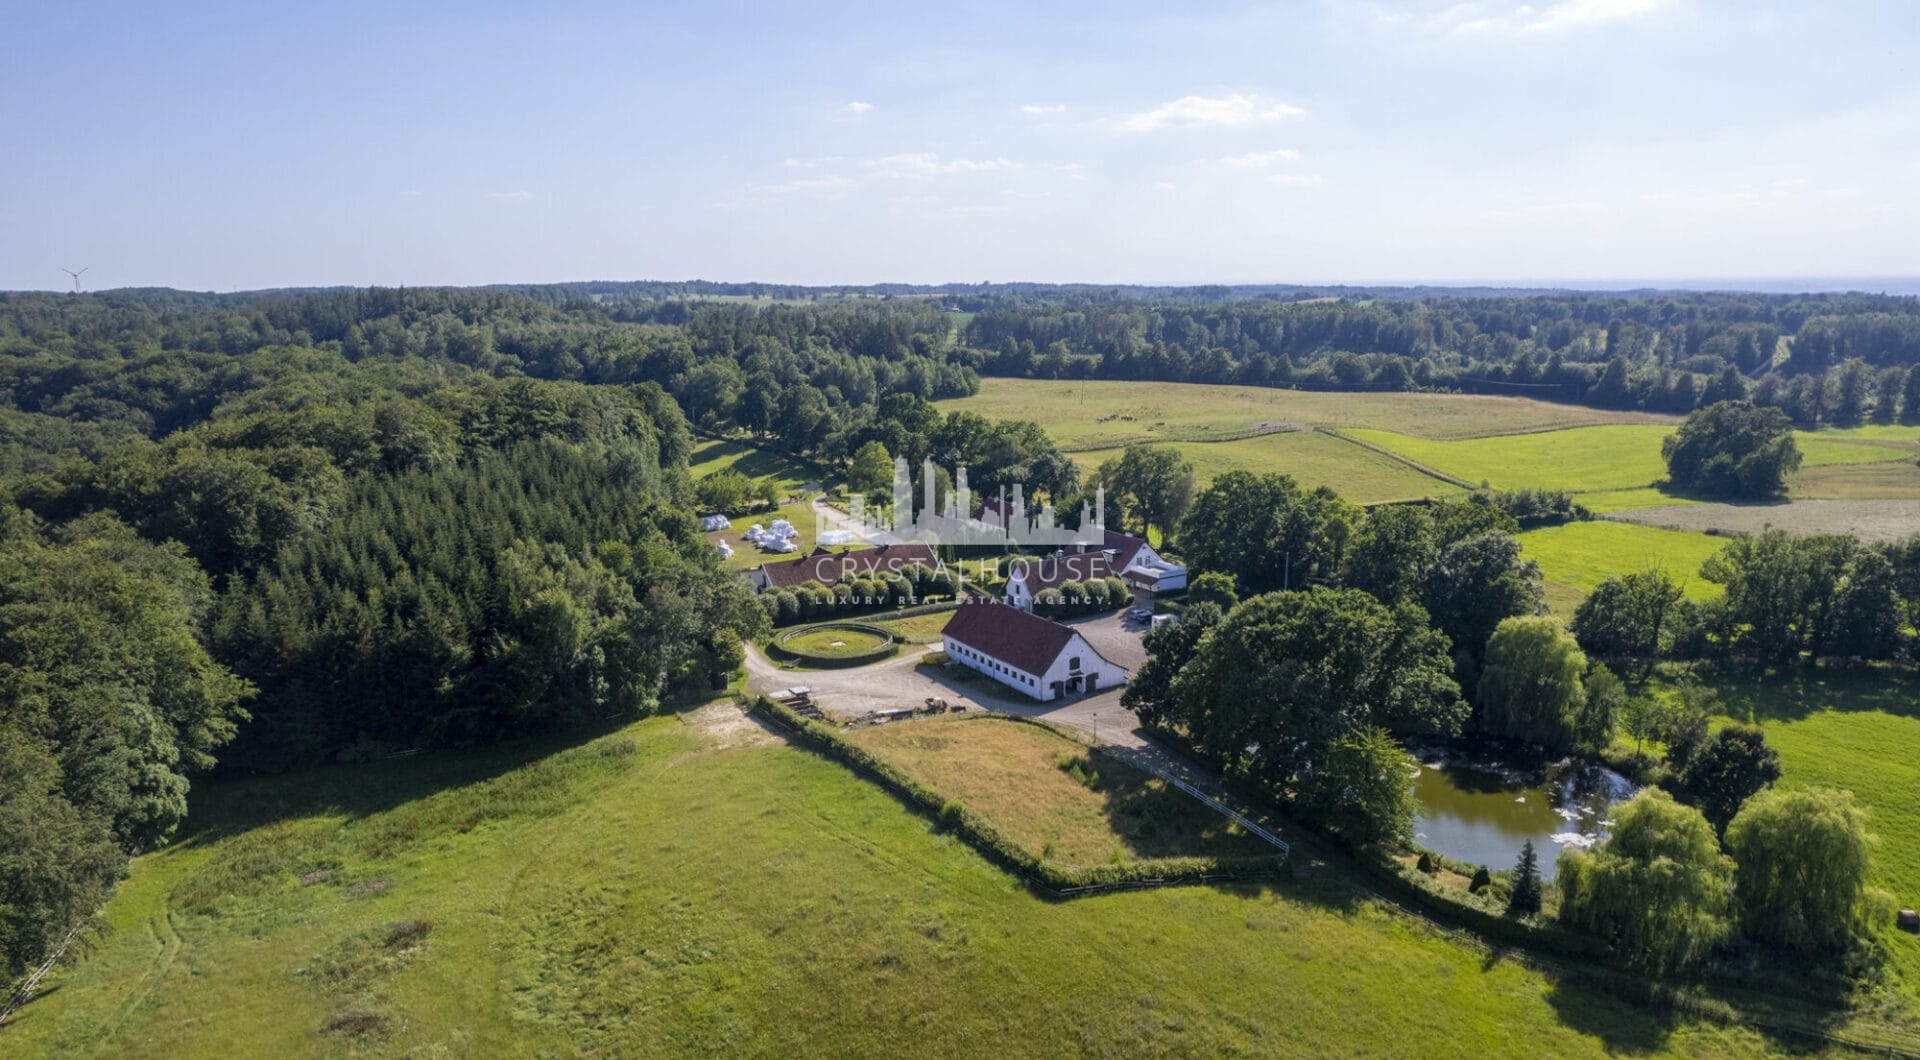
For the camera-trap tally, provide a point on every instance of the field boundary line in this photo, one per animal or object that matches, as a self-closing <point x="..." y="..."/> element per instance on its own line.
<point x="1430" y="472"/>
<point x="1193" y="436"/>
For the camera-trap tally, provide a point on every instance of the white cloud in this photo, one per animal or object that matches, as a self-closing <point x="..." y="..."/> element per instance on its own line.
<point x="1165" y="185"/>
<point x="1261" y="159"/>
<point x="1201" y="112"/>
<point x="1574" y="14"/>
<point x="810" y="163"/>
<point x="922" y="166"/>
<point x="1044" y="108"/>
<point x="1565" y="16"/>
<point x="831" y="182"/>
<point x="857" y="107"/>
<point x="1294" y="180"/>
<point x="510" y="196"/>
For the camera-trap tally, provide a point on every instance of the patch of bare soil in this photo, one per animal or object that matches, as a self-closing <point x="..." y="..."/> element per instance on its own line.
<point x="726" y="725"/>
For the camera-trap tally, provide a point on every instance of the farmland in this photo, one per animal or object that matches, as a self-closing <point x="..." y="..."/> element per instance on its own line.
<point x="1852" y="729"/>
<point x="1312" y="458"/>
<point x="1869" y="520"/>
<point x="1611" y="457"/>
<point x="1046" y="793"/>
<point x="1092" y="414"/>
<point x="1576" y="557"/>
<point x="566" y="905"/>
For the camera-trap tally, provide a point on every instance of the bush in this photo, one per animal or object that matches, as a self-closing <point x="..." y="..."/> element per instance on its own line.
<point x="1481" y="880"/>
<point x="1425" y="864"/>
<point x="951" y="814"/>
<point x="407" y="932"/>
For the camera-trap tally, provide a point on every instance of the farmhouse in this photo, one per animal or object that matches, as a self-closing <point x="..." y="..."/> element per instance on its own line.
<point x="1129" y="557"/>
<point x="1029" y="654"/>
<point x="828" y="567"/>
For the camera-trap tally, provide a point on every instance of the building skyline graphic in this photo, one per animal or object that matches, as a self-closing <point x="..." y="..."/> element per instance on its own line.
<point x="1002" y="519"/>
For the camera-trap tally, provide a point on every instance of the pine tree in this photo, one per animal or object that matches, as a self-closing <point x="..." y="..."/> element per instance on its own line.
<point x="1525" y="900"/>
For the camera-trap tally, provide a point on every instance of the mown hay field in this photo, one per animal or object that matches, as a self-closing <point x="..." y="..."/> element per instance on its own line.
<point x="1107" y="414"/>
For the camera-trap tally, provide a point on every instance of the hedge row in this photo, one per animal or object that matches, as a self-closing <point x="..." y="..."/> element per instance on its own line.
<point x="1053" y="880"/>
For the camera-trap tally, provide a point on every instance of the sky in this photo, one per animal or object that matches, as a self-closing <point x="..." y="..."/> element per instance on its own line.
<point x="220" y="147"/>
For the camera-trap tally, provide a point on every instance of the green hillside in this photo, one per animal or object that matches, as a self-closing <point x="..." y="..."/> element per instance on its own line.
<point x="529" y="901"/>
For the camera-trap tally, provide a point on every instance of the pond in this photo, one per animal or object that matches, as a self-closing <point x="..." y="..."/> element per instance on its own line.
<point x="1482" y="812"/>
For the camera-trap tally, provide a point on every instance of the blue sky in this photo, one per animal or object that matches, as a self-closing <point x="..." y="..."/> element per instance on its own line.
<point x="216" y="147"/>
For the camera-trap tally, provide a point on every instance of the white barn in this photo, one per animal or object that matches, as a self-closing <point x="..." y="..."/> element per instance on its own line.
<point x="1036" y="657"/>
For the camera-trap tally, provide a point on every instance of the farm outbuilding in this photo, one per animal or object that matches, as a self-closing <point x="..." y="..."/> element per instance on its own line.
<point x="1042" y="659"/>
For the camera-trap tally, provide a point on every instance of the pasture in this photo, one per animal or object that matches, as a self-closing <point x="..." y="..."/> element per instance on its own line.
<point x="1869" y="520"/>
<point x="543" y="899"/>
<point x="1576" y="557"/>
<point x="1858" y="730"/>
<point x="1105" y="414"/>
<point x="1311" y="457"/>
<point x="1610" y="457"/>
<point x="713" y="455"/>
<point x="1047" y="794"/>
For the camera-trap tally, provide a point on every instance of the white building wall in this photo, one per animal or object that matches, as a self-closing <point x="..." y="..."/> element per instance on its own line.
<point x="1104" y="674"/>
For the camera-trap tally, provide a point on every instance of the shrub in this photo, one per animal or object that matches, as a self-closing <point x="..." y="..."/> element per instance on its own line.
<point x="1425" y="863"/>
<point x="952" y="813"/>
<point x="1481" y="880"/>
<point x="407" y="932"/>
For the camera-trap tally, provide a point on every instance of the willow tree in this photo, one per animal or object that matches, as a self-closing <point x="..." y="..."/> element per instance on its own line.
<point x="1803" y="857"/>
<point x="1658" y="890"/>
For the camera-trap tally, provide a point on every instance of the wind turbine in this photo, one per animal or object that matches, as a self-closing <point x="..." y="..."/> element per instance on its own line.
<point x="76" y="277"/>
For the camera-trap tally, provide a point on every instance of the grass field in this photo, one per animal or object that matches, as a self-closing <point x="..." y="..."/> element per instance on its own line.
<point x="1882" y="480"/>
<point x="839" y="642"/>
<point x="1857" y="730"/>
<point x="686" y="886"/>
<point x="1012" y="774"/>
<point x="1101" y="414"/>
<point x="1576" y="557"/>
<point x="713" y="455"/>
<point x="1312" y="458"/>
<point x="1869" y="520"/>
<point x="917" y="629"/>
<point x="1610" y="457"/>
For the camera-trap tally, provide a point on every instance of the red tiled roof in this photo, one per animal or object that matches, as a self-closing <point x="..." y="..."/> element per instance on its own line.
<point x="1125" y="547"/>
<point x="1045" y="572"/>
<point x="826" y="567"/>
<point x="1021" y="640"/>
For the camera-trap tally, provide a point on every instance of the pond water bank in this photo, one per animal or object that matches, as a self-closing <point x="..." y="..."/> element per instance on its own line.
<point x="1481" y="809"/>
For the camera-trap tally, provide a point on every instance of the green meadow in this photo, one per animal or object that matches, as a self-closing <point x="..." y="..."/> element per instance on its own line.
<point x="543" y="900"/>
<point x="713" y="455"/>
<point x="1312" y="458"/>
<point x="1858" y="730"/>
<point x="1609" y="457"/>
<point x="1105" y="414"/>
<point x="1576" y="557"/>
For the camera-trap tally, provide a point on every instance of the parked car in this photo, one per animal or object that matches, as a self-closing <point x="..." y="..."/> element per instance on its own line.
<point x="1140" y="614"/>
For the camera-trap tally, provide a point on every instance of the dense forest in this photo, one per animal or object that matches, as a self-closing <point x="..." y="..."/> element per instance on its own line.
<point x="261" y="531"/>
